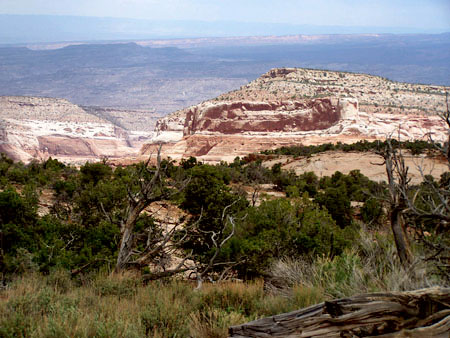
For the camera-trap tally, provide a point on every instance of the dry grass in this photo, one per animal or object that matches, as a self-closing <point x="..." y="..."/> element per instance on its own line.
<point x="119" y="306"/>
<point x="371" y="265"/>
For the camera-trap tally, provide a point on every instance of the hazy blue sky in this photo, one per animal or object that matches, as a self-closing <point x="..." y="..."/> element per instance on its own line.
<point x="394" y="13"/>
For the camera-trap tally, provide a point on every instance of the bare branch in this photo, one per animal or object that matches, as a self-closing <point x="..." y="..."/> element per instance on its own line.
<point x="107" y="215"/>
<point x="211" y="263"/>
<point x="150" y="190"/>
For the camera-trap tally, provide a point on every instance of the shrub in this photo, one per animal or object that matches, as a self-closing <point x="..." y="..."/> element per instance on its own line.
<point x="370" y="265"/>
<point x="372" y="211"/>
<point x="337" y="202"/>
<point x="280" y="228"/>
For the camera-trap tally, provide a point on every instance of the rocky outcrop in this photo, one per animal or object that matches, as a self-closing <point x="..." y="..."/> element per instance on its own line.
<point x="261" y="117"/>
<point x="216" y="147"/>
<point x="255" y="118"/>
<point x="37" y="128"/>
<point x="282" y="108"/>
<point x="171" y="127"/>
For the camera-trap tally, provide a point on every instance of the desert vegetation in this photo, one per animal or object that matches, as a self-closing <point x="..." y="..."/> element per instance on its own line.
<point x="416" y="147"/>
<point x="96" y="251"/>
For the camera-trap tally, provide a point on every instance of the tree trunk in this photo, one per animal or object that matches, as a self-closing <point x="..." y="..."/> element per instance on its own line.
<point x="416" y="314"/>
<point x="126" y="242"/>
<point x="400" y="236"/>
<point x="395" y="166"/>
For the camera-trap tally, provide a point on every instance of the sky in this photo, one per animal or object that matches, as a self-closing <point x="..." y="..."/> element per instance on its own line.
<point x="418" y="14"/>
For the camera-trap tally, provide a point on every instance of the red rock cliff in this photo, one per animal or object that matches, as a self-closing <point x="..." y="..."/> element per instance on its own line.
<point x="284" y="116"/>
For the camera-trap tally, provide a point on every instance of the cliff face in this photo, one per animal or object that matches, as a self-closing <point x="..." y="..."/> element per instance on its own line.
<point x="291" y="106"/>
<point x="255" y="118"/>
<point x="37" y="128"/>
<point x="284" y="116"/>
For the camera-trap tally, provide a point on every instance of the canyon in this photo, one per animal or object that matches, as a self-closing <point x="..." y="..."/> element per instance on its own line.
<point x="283" y="107"/>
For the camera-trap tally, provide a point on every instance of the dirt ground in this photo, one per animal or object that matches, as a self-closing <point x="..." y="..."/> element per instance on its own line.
<point x="326" y="164"/>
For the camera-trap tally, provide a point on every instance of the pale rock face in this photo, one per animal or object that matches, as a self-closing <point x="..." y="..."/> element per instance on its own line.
<point x="349" y="108"/>
<point x="170" y="128"/>
<point x="37" y="128"/>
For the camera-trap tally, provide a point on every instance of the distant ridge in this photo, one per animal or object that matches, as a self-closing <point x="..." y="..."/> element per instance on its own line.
<point x="20" y="29"/>
<point x="138" y="75"/>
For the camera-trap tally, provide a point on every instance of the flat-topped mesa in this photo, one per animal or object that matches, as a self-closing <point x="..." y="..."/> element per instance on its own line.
<point x="44" y="109"/>
<point x="290" y="106"/>
<point x="374" y="94"/>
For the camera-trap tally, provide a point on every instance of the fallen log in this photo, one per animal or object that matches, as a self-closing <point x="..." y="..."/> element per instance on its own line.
<point x="419" y="313"/>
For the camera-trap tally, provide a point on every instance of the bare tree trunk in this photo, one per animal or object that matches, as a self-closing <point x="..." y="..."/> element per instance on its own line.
<point x="126" y="241"/>
<point x="397" y="174"/>
<point x="147" y="185"/>
<point x="413" y="314"/>
<point x="400" y="236"/>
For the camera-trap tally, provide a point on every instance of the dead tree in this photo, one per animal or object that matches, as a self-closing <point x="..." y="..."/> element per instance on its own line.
<point x="162" y="245"/>
<point x="430" y="203"/>
<point x="420" y="206"/>
<point x="398" y="181"/>
<point x="255" y="194"/>
<point x="219" y="238"/>
<point x="152" y="186"/>
<point x="164" y="242"/>
<point x="445" y="116"/>
<point x="417" y="314"/>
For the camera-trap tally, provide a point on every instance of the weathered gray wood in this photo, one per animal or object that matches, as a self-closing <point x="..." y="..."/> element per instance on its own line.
<point x="420" y="313"/>
<point x="440" y="329"/>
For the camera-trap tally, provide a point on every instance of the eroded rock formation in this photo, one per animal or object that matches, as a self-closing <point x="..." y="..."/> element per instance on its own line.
<point x="283" y="107"/>
<point x="284" y="116"/>
<point x="291" y="106"/>
<point x="37" y="128"/>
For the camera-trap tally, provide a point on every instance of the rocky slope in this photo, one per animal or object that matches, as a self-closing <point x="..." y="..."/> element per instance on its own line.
<point x="291" y="106"/>
<point x="326" y="164"/>
<point x="37" y="128"/>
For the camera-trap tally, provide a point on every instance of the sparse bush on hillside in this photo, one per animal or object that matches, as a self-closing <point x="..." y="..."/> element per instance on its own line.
<point x="18" y="220"/>
<point x="372" y="212"/>
<point x="78" y="235"/>
<point x="337" y="202"/>
<point x="208" y="198"/>
<point x="416" y="147"/>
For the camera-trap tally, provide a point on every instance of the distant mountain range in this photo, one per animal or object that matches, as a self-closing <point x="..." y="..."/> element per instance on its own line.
<point x="183" y="72"/>
<point x="19" y="29"/>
